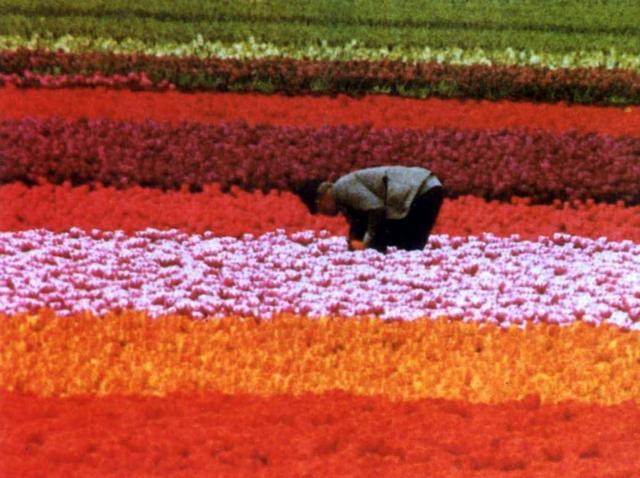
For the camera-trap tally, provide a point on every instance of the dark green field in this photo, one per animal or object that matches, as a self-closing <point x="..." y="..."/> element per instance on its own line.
<point x="552" y="26"/>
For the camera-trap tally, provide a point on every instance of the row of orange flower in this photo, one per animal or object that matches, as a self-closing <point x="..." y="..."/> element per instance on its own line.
<point x="130" y="353"/>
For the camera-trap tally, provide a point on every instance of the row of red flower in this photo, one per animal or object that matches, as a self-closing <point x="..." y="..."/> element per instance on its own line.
<point x="580" y="85"/>
<point x="487" y="163"/>
<point x="379" y="110"/>
<point x="59" y="208"/>
<point x="335" y="433"/>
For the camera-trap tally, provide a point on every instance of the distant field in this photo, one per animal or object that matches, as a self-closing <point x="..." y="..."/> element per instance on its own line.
<point x="560" y="26"/>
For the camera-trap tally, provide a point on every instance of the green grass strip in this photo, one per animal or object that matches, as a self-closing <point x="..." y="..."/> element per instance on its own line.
<point x="251" y="49"/>
<point x="441" y="28"/>
<point x="618" y="17"/>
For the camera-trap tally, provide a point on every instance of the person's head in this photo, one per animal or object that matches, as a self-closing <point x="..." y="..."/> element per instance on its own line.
<point x="316" y="194"/>
<point x="325" y="202"/>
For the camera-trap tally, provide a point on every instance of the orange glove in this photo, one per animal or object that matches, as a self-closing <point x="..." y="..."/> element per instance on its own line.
<point x="357" y="245"/>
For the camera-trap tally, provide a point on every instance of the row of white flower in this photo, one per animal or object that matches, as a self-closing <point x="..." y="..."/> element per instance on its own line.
<point x="252" y="49"/>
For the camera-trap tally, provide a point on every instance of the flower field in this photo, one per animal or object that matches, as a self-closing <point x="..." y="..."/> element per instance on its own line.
<point x="171" y="308"/>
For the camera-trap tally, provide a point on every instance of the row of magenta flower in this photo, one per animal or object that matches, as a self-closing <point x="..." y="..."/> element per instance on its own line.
<point x="492" y="164"/>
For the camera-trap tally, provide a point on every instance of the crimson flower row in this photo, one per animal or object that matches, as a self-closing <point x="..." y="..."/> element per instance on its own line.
<point x="505" y="281"/>
<point x="58" y="208"/>
<point x="269" y="75"/>
<point x="382" y="111"/>
<point x="494" y="164"/>
<point x="337" y="434"/>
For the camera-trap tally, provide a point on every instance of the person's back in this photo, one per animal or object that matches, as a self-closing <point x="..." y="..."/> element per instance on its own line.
<point x="393" y="188"/>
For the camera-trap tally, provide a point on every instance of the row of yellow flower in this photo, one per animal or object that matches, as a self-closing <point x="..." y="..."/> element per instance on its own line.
<point x="130" y="353"/>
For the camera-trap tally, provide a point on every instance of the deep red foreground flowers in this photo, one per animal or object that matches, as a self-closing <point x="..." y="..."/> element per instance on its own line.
<point x="309" y="111"/>
<point x="59" y="208"/>
<point x="335" y="434"/>
<point x="494" y="164"/>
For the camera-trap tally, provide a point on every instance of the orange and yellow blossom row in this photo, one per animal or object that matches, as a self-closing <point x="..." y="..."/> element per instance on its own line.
<point x="130" y="353"/>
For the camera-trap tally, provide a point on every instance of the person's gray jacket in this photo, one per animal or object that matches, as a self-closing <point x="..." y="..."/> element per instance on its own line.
<point x="392" y="188"/>
<point x="383" y="192"/>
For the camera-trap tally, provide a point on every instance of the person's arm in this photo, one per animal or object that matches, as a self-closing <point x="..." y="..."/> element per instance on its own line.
<point x="375" y="218"/>
<point x="357" y="228"/>
<point x="353" y="194"/>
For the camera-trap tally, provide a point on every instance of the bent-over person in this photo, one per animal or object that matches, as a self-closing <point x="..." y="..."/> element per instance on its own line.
<point x="384" y="206"/>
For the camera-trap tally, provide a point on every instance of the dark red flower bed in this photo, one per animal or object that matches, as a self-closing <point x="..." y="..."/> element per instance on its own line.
<point x="494" y="164"/>
<point x="314" y="111"/>
<point x="59" y="208"/>
<point x="335" y="434"/>
<point x="271" y="75"/>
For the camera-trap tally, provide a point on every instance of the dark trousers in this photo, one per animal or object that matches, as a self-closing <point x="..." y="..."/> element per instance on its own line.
<point x="411" y="232"/>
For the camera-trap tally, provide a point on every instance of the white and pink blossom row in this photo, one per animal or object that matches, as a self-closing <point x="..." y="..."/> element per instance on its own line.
<point x="558" y="279"/>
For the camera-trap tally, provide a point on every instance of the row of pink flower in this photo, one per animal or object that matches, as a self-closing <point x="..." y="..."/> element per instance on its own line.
<point x="500" y="280"/>
<point x="487" y="163"/>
